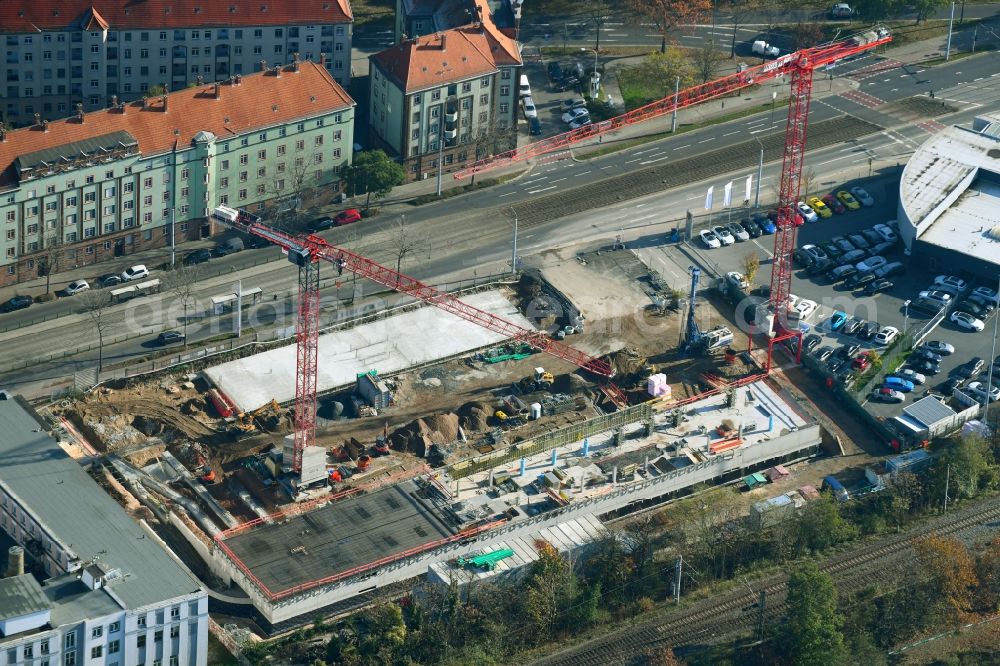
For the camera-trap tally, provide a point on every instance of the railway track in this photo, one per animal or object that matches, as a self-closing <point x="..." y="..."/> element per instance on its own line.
<point x="735" y="611"/>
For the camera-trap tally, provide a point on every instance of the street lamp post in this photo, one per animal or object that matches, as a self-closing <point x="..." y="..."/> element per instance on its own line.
<point x="906" y="316"/>
<point x="760" y="172"/>
<point x="774" y="96"/>
<point x="513" y="253"/>
<point x="440" y="153"/>
<point x="173" y="239"/>
<point x="583" y="48"/>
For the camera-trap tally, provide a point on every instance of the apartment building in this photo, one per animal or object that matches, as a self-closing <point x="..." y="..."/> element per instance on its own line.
<point x="60" y="53"/>
<point x="449" y="96"/>
<point x="415" y="18"/>
<point x="110" y="594"/>
<point x="109" y="183"/>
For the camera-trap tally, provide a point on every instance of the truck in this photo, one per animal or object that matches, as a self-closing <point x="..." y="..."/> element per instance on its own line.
<point x="226" y="214"/>
<point x="762" y="48"/>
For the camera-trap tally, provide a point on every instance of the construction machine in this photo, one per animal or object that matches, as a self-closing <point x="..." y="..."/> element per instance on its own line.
<point x="540" y="381"/>
<point x="246" y="423"/>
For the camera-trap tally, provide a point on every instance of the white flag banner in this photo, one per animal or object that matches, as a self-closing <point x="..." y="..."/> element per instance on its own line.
<point x="708" y="198"/>
<point x="727" y="196"/>
<point x="749" y="181"/>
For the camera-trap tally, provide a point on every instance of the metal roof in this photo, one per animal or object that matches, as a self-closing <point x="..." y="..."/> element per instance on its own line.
<point x="21" y="595"/>
<point x="929" y="411"/>
<point x="61" y="496"/>
<point x="94" y="147"/>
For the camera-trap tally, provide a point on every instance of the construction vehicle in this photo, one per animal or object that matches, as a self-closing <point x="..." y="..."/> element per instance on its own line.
<point x="204" y="471"/>
<point x="364" y="462"/>
<point x="540" y="381"/>
<point x="246" y="423"/>
<point x="382" y="441"/>
<point x="486" y="561"/>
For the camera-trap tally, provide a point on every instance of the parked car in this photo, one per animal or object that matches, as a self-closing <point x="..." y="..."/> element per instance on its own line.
<point x="709" y="238"/>
<point x="883" y="248"/>
<point x="935" y="296"/>
<point x="849" y="350"/>
<point x="951" y="384"/>
<point x="16" y="303"/>
<point x="529" y="107"/>
<point x="573" y="103"/>
<point x="848" y="200"/>
<point x="844" y="244"/>
<point x="987" y="304"/>
<point x="229" y="246"/>
<point x="580" y="122"/>
<point x="852" y="257"/>
<point x="958" y="284"/>
<point x="824" y="353"/>
<point x="814" y="251"/>
<point x="925" y="354"/>
<point x="136" y="272"/>
<point x="911" y="376"/>
<point x="723" y="235"/>
<point x="987" y="294"/>
<point x="862" y="195"/>
<point x="851" y="326"/>
<point x="859" y="241"/>
<point x="925" y="367"/>
<point x="872" y="263"/>
<point x="837" y="320"/>
<point x="886" y="336"/>
<point x="841" y="273"/>
<point x="938" y="347"/>
<point x="751" y="228"/>
<point x="898" y="384"/>
<point x="834" y="204"/>
<point x="967" y="321"/>
<point x="890" y="269"/>
<point x="811" y="341"/>
<point x="859" y="280"/>
<point x="806" y="212"/>
<point x="974" y="309"/>
<point x="806" y="308"/>
<point x="886" y="233"/>
<point x="886" y="395"/>
<point x="76" y="286"/>
<point x="169" y="337"/>
<point x="109" y="280"/>
<point x="971" y="367"/>
<point x="981" y="390"/>
<point x="737" y="280"/>
<point x="764" y="223"/>
<point x="196" y="257"/>
<point x="872" y="236"/>
<point x="738" y="232"/>
<point x="877" y="286"/>
<point x="534" y="126"/>
<point x="819" y="207"/>
<point x="349" y="216"/>
<point x="819" y="266"/>
<point x="868" y="331"/>
<point x="575" y="114"/>
<point x="861" y="362"/>
<point x="832" y="250"/>
<point x="555" y="71"/>
<point x="802" y="258"/>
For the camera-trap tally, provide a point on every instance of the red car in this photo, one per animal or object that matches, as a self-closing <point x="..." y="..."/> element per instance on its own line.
<point x="861" y="362"/>
<point x="346" y="217"/>
<point x="834" y="204"/>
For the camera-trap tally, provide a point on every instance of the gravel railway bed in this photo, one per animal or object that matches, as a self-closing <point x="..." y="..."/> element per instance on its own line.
<point x="720" y="617"/>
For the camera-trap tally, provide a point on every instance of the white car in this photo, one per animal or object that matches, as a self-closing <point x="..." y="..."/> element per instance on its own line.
<point x="575" y="114"/>
<point x="911" y="376"/>
<point x="815" y="252"/>
<point x="951" y="281"/>
<point x="76" y="287"/>
<point x="793" y="300"/>
<point x="886" y="232"/>
<point x="738" y="232"/>
<point x="967" y="321"/>
<point x="529" y="107"/>
<point x="806" y="211"/>
<point x="986" y="294"/>
<point x="871" y="263"/>
<point x="978" y="389"/>
<point x="710" y="240"/>
<point x="862" y="195"/>
<point x="806" y="308"/>
<point x="724" y="235"/>
<point x="885" y="336"/>
<point x="136" y="272"/>
<point x="940" y="348"/>
<point x="737" y="280"/>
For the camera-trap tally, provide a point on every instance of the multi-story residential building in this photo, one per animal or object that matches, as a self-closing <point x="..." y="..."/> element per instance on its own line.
<point x="60" y="53"/>
<point x="143" y="174"/>
<point x="415" y="18"/>
<point x="111" y="593"/>
<point x="451" y="96"/>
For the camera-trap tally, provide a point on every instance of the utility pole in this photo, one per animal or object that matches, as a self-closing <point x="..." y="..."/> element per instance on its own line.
<point x="947" y="480"/>
<point x="173" y="239"/>
<point x="951" y="23"/>
<point x="239" y="309"/>
<point x="513" y="251"/>
<point x="760" y="173"/>
<point x="677" y="579"/>
<point x="677" y="90"/>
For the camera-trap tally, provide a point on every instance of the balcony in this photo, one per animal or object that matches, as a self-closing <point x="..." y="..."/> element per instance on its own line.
<point x="451" y="116"/>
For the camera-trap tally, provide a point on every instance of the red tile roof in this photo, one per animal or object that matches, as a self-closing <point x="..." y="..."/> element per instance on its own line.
<point x="452" y="55"/>
<point x="259" y="100"/>
<point x="24" y="16"/>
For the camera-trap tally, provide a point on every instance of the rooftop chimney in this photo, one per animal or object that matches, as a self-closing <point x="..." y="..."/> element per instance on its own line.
<point x="263" y="65"/>
<point x="45" y="126"/>
<point x="164" y="100"/>
<point x="295" y="61"/>
<point x="114" y="101"/>
<point x="145" y="102"/>
<point x="277" y="71"/>
<point x="201" y="80"/>
<point x="322" y="59"/>
<point x="79" y="111"/>
<point x="3" y="134"/>
<point x="38" y="119"/>
<point x="218" y="91"/>
<point x="239" y="79"/>
<point x="442" y="42"/>
<point x="15" y="561"/>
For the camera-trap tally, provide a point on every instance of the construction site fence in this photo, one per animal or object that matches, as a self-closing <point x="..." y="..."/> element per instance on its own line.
<point x="551" y="440"/>
<point x="366" y="313"/>
<point x="227" y="641"/>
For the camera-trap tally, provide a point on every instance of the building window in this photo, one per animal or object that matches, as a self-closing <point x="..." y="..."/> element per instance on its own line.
<point x="244" y="159"/>
<point x="175" y="631"/>
<point x="224" y="182"/>
<point x="262" y="154"/>
<point x="113" y="647"/>
<point x="140" y="641"/>
<point x="243" y="195"/>
<point x="69" y="659"/>
<point x="243" y="176"/>
<point x="96" y="652"/>
<point x="97" y="631"/>
<point x="173" y="660"/>
<point x="224" y="199"/>
<point x="261" y="172"/>
<point x="147" y="217"/>
<point x="300" y="145"/>
<point x="318" y="140"/>
<point x="140" y="621"/>
<point x="281" y="149"/>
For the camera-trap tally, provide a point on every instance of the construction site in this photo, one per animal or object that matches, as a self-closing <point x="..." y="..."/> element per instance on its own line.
<point x="438" y="441"/>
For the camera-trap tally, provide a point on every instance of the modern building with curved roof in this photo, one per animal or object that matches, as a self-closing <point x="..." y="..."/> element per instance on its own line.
<point x="949" y="200"/>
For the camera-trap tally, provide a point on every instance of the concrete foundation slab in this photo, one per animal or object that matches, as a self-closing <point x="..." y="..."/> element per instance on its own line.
<point x="388" y="345"/>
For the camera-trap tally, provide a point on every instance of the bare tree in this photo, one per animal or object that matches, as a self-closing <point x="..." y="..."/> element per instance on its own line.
<point x="705" y="62"/>
<point x="739" y="12"/>
<point x="95" y="305"/>
<point x="182" y="282"/>
<point x="50" y="259"/>
<point x="597" y="12"/>
<point x="492" y="139"/>
<point x="293" y="195"/>
<point x="669" y="14"/>
<point x="808" y="182"/>
<point x="406" y="241"/>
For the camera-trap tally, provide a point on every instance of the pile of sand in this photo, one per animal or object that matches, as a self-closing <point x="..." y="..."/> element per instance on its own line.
<point x="417" y="436"/>
<point x="473" y="417"/>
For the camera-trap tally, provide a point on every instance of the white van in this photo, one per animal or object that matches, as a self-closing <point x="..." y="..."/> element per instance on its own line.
<point x="524" y="88"/>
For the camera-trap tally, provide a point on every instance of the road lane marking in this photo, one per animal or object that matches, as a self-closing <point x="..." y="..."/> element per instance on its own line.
<point x="544" y="189"/>
<point x="556" y="180"/>
<point x="731" y="133"/>
<point x="687" y="145"/>
<point x="658" y="159"/>
<point x="707" y="140"/>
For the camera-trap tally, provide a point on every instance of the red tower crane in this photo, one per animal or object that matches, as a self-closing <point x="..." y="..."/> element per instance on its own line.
<point x="800" y="66"/>
<point x="307" y="251"/>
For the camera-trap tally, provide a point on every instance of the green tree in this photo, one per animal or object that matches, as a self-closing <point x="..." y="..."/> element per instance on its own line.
<point x="969" y="459"/>
<point x="550" y="587"/>
<point x="821" y="526"/>
<point x="950" y="572"/>
<point x="705" y="62"/>
<point x="373" y="173"/>
<point x="877" y="10"/>
<point x="927" y="8"/>
<point x="811" y="632"/>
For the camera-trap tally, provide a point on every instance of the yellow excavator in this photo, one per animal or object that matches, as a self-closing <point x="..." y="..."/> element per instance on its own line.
<point x="246" y="423"/>
<point x="540" y="381"/>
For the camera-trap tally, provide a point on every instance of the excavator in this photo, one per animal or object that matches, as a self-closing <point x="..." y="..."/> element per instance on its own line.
<point x="246" y="423"/>
<point x="540" y="381"/>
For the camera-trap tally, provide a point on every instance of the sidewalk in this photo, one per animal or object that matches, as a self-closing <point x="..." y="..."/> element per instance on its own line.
<point x="401" y="196"/>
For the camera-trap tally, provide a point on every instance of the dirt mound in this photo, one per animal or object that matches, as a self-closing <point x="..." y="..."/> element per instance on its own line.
<point x="417" y="436"/>
<point x="193" y="406"/>
<point x="571" y="383"/>
<point x="627" y="361"/>
<point x="473" y="417"/>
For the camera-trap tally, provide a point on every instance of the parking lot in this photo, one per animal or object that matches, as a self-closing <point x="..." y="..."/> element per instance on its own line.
<point x="886" y="308"/>
<point x="548" y="98"/>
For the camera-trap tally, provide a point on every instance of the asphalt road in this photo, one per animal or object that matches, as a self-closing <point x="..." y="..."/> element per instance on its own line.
<point x="449" y="247"/>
